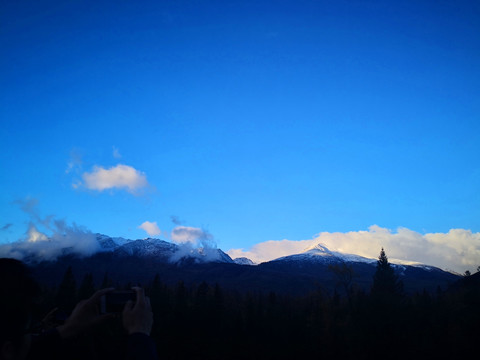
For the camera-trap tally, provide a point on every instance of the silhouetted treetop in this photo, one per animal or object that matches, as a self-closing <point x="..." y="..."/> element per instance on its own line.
<point x="385" y="281"/>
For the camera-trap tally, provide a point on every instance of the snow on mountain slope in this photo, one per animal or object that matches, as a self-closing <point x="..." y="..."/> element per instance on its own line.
<point x="160" y="249"/>
<point x="321" y="250"/>
<point x="243" y="261"/>
<point x="148" y="247"/>
<point x="320" y="253"/>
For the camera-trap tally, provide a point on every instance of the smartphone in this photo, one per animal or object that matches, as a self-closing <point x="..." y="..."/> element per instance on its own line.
<point x="114" y="302"/>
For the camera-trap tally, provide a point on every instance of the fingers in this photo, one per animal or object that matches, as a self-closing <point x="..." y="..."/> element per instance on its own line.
<point x="128" y="305"/>
<point x="79" y="305"/>
<point x="50" y="314"/>
<point x="140" y="296"/>
<point x="138" y="317"/>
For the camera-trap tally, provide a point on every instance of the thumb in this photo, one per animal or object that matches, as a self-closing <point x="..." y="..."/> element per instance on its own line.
<point x="128" y="305"/>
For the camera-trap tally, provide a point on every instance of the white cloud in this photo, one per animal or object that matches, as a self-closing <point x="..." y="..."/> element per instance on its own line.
<point x="34" y="235"/>
<point x="120" y="176"/>
<point x="457" y="250"/>
<point x="151" y="228"/>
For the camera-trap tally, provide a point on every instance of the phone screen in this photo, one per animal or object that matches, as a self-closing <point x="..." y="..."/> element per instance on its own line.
<point x="114" y="302"/>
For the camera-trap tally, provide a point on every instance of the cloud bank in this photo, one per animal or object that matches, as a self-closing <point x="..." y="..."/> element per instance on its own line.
<point x="457" y="250"/>
<point x="120" y="177"/>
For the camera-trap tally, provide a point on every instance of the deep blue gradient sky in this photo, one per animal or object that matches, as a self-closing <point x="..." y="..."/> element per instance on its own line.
<point x="254" y="120"/>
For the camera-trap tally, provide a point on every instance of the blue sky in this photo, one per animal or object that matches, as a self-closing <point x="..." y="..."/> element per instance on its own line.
<point x="251" y="120"/>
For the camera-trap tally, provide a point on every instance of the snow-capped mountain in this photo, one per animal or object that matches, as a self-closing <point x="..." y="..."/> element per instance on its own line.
<point x="323" y="264"/>
<point x="108" y="243"/>
<point x="139" y="260"/>
<point x="320" y="253"/>
<point x="160" y="250"/>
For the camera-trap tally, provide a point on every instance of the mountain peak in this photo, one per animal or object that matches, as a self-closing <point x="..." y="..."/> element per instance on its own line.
<point x="320" y="253"/>
<point x="319" y="249"/>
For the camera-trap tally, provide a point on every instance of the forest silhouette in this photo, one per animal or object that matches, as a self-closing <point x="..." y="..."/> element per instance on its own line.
<point x="206" y="321"/>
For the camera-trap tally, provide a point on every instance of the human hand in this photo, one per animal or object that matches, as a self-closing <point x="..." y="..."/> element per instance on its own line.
<point x="85" y="315"/>
<point x="50" y="321"/>
<point x="137" y="317"/>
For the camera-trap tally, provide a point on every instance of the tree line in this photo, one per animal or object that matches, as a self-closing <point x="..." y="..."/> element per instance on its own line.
<point x="206" y="321"/>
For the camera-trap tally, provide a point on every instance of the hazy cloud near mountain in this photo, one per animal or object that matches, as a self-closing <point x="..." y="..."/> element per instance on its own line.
<point x="62" y="236"/>
<point x="457" y="250"/>
<point x="194" y="242"/>
<point x="48" y="236"/>
<point x="187" y="234"/>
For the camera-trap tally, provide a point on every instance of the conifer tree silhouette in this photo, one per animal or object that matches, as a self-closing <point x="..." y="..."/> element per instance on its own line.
<point x="385" y="282"/>
<point x="106" y="282"/>
<point x="66" y="295"/>
<point x="87" y="288"/>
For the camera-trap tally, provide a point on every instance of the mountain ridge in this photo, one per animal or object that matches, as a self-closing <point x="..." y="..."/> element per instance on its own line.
<point x="139" y="260"/>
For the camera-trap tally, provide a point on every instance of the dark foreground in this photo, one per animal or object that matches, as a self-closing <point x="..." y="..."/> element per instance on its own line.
<point x="206" y="321"/>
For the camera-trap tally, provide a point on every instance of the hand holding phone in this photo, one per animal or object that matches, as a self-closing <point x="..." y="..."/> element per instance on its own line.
<point x="85" y="315"/>
<point x="137" y="316"/>
<point x="114" y="301"/>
